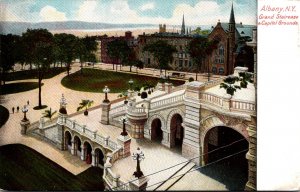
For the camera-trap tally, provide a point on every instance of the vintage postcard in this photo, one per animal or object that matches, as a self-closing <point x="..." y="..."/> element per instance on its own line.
<point x="129" y="95"/>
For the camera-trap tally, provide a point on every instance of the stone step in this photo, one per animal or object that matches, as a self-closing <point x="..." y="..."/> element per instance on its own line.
<point x="175" y="177"/>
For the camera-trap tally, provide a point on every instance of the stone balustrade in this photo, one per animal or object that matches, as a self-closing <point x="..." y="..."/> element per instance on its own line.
<point x="167" y="101"/>
<point x="227" y="103"/>
<point x="117" y="109"/>
<point x="92" y="135"/>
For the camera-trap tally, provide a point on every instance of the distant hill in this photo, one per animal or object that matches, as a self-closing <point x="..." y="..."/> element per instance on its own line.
<point x="20" y="27"/>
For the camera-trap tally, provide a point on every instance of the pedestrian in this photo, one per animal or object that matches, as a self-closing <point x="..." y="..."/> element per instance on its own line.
<point x="13" y="109"/>
<point x="28" y="102"/>
<point x="18" y="109"/>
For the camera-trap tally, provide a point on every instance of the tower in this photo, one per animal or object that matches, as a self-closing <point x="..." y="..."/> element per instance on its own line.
<point x="231" y="42"/>
<point x="183" y="26"/>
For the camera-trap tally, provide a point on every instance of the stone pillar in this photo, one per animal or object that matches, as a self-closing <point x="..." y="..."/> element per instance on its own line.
<point x="24" y="126"/>
<point x="226" y="102"/>
<point x="138" y="184"/>
<point x="94" y="163"/>
<point x="168" y="87"/>
<point x="105" y="112"/>
<point x="73" y="147"/>
<point x="137" y="128"/>
<point x="125" y="142"/>
<point x="191" y="146"/>
<point x="161" y="86"/>
<point x="166" y="139"/>
<point x="82" y="156"/>
<point x="251" y="156"/>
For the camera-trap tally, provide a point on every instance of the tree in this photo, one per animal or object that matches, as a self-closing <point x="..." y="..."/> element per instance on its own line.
<point x="198" y="49"/>
<point x="66" y="48"/>
<point x="8" y="54"/>
<point x="162" y="53"/>
<point x="229" y="85"/>
<point x="138" y="64"/>
<point x="85" y="104"/>
<point x="49" y="114"/>
<point x="40" y="44"/>
<point x="118" y="49"/>
<point x="85" y="49"/>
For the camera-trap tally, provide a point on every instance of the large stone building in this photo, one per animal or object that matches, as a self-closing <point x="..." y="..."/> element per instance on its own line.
<point x="230" y="49"/>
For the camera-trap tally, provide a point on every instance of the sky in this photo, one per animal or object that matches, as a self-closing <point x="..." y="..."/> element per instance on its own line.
<point x="196" y="12"/>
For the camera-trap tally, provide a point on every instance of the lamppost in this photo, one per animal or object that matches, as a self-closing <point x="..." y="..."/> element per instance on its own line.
<point x="25" y="110"/>
<point x="124" y="120"/>
<point x="130" y="84"/>
<point x="138" y="156"/>
<point x="106" y="90"/>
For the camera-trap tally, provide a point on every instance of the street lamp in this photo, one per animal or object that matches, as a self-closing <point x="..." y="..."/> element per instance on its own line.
<point x="124" y="120"/>
<point x="138" y="156"/>
<point x="106" y="90"/>
<point x="130" y="83"/>
<point x="25" y="110"/>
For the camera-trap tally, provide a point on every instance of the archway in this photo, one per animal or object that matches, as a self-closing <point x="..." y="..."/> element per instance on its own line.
<point x="87" y="153"/>
<point x="77" y="146"/>
<point x="156" y="132"/>
<point x="176" y="131"/>
<point x="99" y="158"/>
<point x="224" y="153"/>
<point x="68" y="141"/>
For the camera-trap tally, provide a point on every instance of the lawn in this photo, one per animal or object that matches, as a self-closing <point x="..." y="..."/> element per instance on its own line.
<point x="33" y="74"/>
<point x="94" y="80"/>
<point x="18" y="87"/>
<point x="22" y="168"/>
<point x="4" y="115"/>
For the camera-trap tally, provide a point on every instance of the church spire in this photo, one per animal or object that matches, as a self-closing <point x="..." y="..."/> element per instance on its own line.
<point x="232" y="19"/>
<point x="183" y="26"/>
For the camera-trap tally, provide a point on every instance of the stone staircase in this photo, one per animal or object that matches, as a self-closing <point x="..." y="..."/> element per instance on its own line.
<point x="166" y="185"/>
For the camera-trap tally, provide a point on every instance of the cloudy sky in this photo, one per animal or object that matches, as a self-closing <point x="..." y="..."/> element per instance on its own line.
<point x="128" y="11"/>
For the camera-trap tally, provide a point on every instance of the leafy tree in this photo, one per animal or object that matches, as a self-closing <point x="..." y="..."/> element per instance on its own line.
<point x="118" y="49"/>
<point x="138" y="64"/>
<point x="244" y="78"/>
<point x="85" y="104"/>
<point x="162" y="53"/>
<point x="198" y="49"/>
<point x="66" y="48"/>
<point x="229" y="85"/>
<point x="49" y="114"/>
<point x="8" y="54"/>
<point x="85" y="49"/>
<point x="40" y="44"/>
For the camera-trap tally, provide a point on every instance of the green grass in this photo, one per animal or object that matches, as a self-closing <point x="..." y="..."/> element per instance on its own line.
<point x="33" y="74"/>
<point x="4" y="115"/>
<point x="22" y="168"/>
<point x="94" y="80"/>
<point x="18" y="87"/>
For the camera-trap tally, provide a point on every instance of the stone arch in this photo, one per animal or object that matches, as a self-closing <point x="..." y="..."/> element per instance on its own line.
<point x="99" y="157"/>
<point x="86" y="154"/>
<point x="68" y="139"/>
<point x="213" y="121"/>
<point x="77" y="145"/>
<point x="156" y="116"/>
<point x="171" y="114"/>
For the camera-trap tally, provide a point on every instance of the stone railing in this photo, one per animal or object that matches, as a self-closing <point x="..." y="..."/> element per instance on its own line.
<point x="238" y="105"/>
<point x="167" y="101"/>
<point x="136" y="109"/>
<point x="210" y="84"/>
<point x="92" y="135"/>
<point x="117" y="109"/>
<point x="227" y="103"/>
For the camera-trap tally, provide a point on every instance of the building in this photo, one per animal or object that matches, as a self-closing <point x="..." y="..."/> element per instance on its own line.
<point x="103" y="42"/>
<point x="181" y="59"/>
<point x="223" y="60"/>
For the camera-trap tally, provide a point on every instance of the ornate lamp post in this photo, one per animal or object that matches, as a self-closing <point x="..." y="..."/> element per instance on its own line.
<point x="138" y="156"/>
<point x="25" y="110"/>
<point x="106" y="90"/>
<point x="124" y="120"/>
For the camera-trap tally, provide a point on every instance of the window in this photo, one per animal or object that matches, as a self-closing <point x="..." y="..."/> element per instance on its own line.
<point x="180" y="63"/>
<point x="214" y="70"/>
<point x="221" y="70"/>
<point x="221" y="50"/>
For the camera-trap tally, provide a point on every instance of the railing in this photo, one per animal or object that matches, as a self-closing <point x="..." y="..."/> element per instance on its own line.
<point x="212" y="99"/>
<point x="117" y="109"/>
<point x="136" y="109"/>
<point x="242" y="105"/>
<point x="210" y="84"/>
<point x="163" y="102"/>
<point x="92" y="135"/>
<point x="232" y="105"/>
<point x="178" y="88"/>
